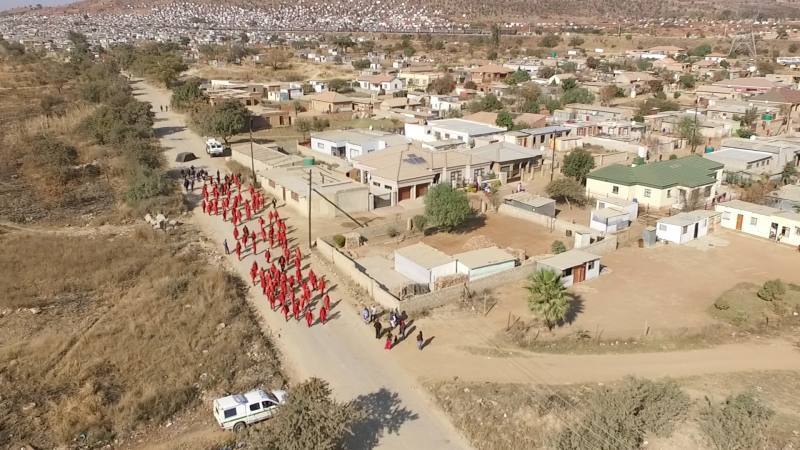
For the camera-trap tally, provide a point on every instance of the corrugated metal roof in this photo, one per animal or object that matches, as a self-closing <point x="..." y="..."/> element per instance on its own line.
<point x="689" y="171"/>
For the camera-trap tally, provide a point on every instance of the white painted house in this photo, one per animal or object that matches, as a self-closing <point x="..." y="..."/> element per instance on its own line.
<point x="349" y="144"/>
<point x="444" y="129"/>
<point x="762" y="221"/>
<point x="385" y="82"/>
<point x="574" y="266"/>
<point x="613" y="214"/>
<point x="423" y="264"/>
<point x="484" y="262"/>
<point x="686" y="226"/>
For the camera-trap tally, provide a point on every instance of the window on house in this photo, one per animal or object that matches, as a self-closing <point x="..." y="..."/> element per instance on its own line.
<point x="647" y="193"/>
<point x="669" y="193"/>
<point x="320" y="145"/>
<point x="615" y="189"/>
<point x="797" y="231"/>
<point x="685" y="229"/>
<point x="479" y="173"/>
<point x="726" y="215"/>
<point x="295" y="197"/>
<point x="662" y="227"/>
<point x="754" y="221"/>
<point x="567" y="272"/>
<point x="590" y="265"/>
<point x="707" y="191"/>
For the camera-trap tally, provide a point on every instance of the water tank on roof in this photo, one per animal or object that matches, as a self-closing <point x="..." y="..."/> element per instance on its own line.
<point x="308" y="161"/>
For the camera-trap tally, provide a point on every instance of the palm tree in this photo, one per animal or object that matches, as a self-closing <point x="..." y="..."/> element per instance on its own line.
<point x="547" y="297"/>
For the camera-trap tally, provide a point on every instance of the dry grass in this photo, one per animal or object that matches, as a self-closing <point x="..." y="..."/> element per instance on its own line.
<point x="129" y="330"/>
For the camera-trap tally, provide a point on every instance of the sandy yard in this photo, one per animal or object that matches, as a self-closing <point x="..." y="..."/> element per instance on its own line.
<point x="501" y="230"/>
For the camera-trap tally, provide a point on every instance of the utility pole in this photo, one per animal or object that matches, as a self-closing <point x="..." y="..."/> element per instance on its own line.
<point x="553" y="159"/>
<point x="694" y="128"/>
<point x="309" y="209"/>
<point x="252" y="160"/>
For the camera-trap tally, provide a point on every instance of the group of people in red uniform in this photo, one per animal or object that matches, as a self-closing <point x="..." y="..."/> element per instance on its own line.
<point x="291" y="293"/>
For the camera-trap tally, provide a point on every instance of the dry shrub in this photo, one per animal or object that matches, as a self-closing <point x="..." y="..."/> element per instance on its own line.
<point x="133" y="330"/>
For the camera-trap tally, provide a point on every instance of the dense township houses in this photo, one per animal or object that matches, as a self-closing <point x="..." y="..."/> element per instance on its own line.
<point x="662" y="184"/>
<point x="586" y="112"/>
<point x="749" y="85"/>
<point x="530" y="120"/>
<point x="762" y="221"/>
<point x="330" y="102"/>
<point x="381" y="83"/>
<point x="750" y="159"/>
<point x="463" y="130"/>
<point x="485" y="76"/>
<point x="349" y="144"/>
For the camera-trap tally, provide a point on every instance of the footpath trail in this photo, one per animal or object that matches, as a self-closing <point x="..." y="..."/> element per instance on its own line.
<point x="343" y="352"/>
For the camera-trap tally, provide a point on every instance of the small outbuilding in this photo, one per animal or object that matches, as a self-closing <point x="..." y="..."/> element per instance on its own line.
<point x="532" y="202"/>
<point x="484" y="262"/>
<point x="423" y="264"/>
<point x="686" y="226"/>
<point x="574" y="266"/>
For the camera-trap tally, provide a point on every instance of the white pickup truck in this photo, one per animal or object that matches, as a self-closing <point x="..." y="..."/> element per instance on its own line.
<point x="214" y="147"/>
<point x="237" y="411"/>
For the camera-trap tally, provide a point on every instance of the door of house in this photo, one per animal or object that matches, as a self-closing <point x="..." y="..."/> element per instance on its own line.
<point x="578" y="274"/>
<point x="404" y="193"/>
<point x="422" y="189"/>
<point x="739" y="220"/>
<point x="696" y="229"/>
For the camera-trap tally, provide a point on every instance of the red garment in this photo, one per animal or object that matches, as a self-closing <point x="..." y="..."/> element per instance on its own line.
<point x="326" y="301"/>
<point x="321" y="285"/>
<point x="235" y="233"/>
<point x="238" y="250"/>
<point x="309" y="317"/>
<point x="267" y="256"/>
<point x="388" y="344"/>
<point x="323" y="315"/>
<point x="296" y="311"/>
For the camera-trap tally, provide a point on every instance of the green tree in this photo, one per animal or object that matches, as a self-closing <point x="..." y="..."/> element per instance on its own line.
<point x="750" y="116"/>
<point x="409" y="51"/>
<point x="339" y="85"/>
<point x="518" y="76"/>
<point x="738" y="424"/>
<point x="489" y="102"/>
<point x="446" y="207"/>
<point x="607" y="94"/>
<point x="545" y="72"/>
<point x="558" y="247"/>
<point x="224" y="119"/>
<point x="700" y="51"/>
<point x="687" y="80"/>
<point x="566" y="190"/>
<point x="547" y="297"/>
<point x="187" y="95"/>
<point x="744" y="133"/>
<point x="495" y="37"/>
<point x="690" y="131"/>
<point x="504" y="119"/>
<point x="577" y="95"/>
<point x="311" y="418"/>
<point x="569" y="84"/>
<point x="577" y="164"/>
<point x="361" y="64"/>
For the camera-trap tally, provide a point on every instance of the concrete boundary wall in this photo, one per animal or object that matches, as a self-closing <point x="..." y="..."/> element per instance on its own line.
<point x="558" y="225"/>
<point x="347" y="266"/>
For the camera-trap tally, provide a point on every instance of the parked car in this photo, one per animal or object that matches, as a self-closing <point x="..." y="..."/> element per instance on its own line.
<point x="235" y="412"/>
<point x="214" y="147"/>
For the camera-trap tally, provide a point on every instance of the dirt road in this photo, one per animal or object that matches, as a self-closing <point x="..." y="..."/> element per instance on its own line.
<point x="343" y="352"/>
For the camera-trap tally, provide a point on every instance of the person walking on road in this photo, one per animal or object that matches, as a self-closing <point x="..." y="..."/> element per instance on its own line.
<point x="365" y="315"/>
<point x="388" y="344"/>
<point x="323" y="315"/>
<point x="309" y="317"/>
<point x="420" y="340"/>
<point x="225" y="245"/>
<point x="378" y="329"/>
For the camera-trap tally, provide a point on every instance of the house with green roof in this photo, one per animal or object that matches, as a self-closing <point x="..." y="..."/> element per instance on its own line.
<point x="661" y="184"/>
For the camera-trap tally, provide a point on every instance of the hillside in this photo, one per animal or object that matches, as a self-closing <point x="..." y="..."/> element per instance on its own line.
<point x="509" y="10"/>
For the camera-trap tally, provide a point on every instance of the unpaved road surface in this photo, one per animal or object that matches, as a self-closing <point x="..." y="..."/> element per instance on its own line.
<point x="343" y="352"/>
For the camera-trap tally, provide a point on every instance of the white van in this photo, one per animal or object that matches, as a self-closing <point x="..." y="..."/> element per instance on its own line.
<point x="237" y="411"/>
<point x="214" y="147"/>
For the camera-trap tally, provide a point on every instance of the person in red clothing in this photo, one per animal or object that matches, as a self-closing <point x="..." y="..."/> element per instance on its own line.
<point x="309" y="317"/>
<point x="267" y="256"/>
<point x="296" y="310"/>
<point x="321" y="285"/>
<point x="312" y="277"/>
<point x="323" y="315"/>
<point x="388" y="344"/>
<point x="239" y="250"/>
<point x="263" y="234"/>
<point x="235" y="233"/>
<point x="326" y="301"/>
<point x="285" y="311"/>
<point x="254" y="272"/>
<point x="255" y="251"/>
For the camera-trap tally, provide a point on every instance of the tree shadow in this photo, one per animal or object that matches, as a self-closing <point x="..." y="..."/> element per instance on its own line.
<point x="160" y="132"/>
<point x="383" y="413"/>
<point x="575" y="308"/>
